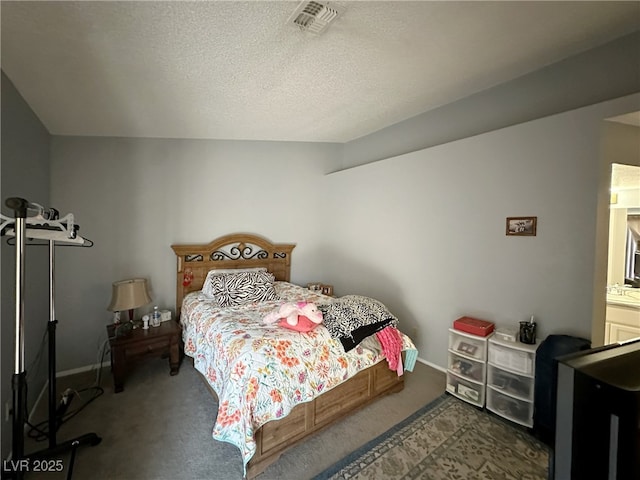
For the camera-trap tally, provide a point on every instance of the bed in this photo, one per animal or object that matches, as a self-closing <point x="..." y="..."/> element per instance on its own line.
<point x="274" y="386"/>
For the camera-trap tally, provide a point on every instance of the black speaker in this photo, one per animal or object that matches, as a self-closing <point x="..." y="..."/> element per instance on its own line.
<point x="544" y="399"/>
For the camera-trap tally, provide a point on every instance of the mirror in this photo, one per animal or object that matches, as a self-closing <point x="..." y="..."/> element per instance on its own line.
<point x="632" y="249"/>
<point x="624" y="226"/>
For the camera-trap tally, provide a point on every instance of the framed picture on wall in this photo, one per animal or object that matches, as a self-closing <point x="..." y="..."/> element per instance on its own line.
<point x="522" y="226"/>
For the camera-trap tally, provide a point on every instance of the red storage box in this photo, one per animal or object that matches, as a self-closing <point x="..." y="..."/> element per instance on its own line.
<point x="474" y="326"/>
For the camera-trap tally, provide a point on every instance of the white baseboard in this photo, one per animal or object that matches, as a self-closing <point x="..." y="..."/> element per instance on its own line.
<point x="73" y="371"/>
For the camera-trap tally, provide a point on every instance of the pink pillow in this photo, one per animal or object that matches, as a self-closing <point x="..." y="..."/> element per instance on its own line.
<point x="304" y="325"/>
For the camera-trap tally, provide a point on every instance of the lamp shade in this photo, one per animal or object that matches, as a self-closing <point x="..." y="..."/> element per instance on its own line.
<point x="129" y="294"/>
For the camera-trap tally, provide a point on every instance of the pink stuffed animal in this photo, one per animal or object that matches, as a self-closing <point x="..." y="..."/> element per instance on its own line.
<point x="301" y="316"/>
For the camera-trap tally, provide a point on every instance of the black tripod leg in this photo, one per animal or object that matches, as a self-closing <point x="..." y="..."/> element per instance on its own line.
<point x="74" y="447"/>
<point x="90" y="439"/>
<point x="53" y="423"/>
<point x="19" y="384"/>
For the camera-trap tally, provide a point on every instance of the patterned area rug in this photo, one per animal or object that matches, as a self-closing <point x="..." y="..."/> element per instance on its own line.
<point x="447" y="439"/>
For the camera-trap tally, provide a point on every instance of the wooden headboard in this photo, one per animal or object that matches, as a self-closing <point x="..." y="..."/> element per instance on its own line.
<point x="238" y="250"/>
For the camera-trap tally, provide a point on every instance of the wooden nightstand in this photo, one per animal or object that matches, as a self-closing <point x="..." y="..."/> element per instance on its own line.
<point x="138" y="343"/>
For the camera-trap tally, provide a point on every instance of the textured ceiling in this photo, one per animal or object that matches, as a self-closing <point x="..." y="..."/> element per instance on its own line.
<point x="632" y="118"/>
<point x="625" y="177"/>
<point x="237" y="70"/>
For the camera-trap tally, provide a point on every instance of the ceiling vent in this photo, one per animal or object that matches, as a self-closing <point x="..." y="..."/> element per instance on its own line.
<point x="315" y="17"/>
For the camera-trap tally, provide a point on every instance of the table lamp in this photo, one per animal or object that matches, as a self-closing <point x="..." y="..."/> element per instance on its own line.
<point x="129" y="295"/>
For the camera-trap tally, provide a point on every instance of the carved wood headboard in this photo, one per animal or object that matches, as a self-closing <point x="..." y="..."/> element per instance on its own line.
<point x="237" y="250"/>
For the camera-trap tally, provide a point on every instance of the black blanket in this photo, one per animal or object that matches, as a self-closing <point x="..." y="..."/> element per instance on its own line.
<point x="353" y="318"/>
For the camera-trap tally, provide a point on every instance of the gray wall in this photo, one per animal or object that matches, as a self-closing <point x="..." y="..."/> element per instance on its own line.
<point x="603" y="73"/>
<point x="136" y="197"/>
<point x="24" y="173"/>
<point x="425" y="232"/>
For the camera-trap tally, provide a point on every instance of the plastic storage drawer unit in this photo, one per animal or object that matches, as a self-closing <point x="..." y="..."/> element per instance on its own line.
<point x="514" y="356"/>
<point x="519" y="386"/>
<point x="467" y="368"/>
<point x="511" y="380"/>
<point x="511" y="408"/>
<point x="466" y="390"/>
<point x="468" y="345"/>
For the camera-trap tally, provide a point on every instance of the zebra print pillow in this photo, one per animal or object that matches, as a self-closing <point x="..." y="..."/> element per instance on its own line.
<point x="206" y="286"/>
<point x="233" y="289"/>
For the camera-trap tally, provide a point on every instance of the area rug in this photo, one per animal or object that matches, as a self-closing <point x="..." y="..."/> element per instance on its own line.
<point x="447" y="439"/>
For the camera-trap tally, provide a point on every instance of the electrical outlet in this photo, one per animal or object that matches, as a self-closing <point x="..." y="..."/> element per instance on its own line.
<point x="7" y="412"/>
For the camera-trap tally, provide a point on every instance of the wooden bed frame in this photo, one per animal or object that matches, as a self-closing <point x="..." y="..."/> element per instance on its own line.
<point x="242" y="250"/>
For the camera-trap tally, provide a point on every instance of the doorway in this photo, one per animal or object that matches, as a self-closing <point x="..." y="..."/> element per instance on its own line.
<point x="622" y="317"/>
<point x="615" y="316"/>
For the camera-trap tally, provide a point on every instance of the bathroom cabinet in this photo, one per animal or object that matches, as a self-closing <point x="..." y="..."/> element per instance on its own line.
<point x="622" y="324"/>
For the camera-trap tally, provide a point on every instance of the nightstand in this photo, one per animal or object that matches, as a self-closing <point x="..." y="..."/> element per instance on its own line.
<point x="139" y="343"/>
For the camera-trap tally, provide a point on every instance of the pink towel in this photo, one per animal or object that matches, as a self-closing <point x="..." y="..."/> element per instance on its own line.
<point x="391" y="342"/>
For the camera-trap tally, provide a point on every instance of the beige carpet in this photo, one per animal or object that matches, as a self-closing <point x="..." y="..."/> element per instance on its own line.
<point x="160" y="427"/>
<point x="447" y="439"/>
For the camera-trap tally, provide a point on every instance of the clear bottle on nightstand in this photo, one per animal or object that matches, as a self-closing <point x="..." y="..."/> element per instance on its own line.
<point x="155" y="317"/>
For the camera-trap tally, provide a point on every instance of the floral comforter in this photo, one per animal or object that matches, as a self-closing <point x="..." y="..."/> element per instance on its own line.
<point x="260" y="372"/>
